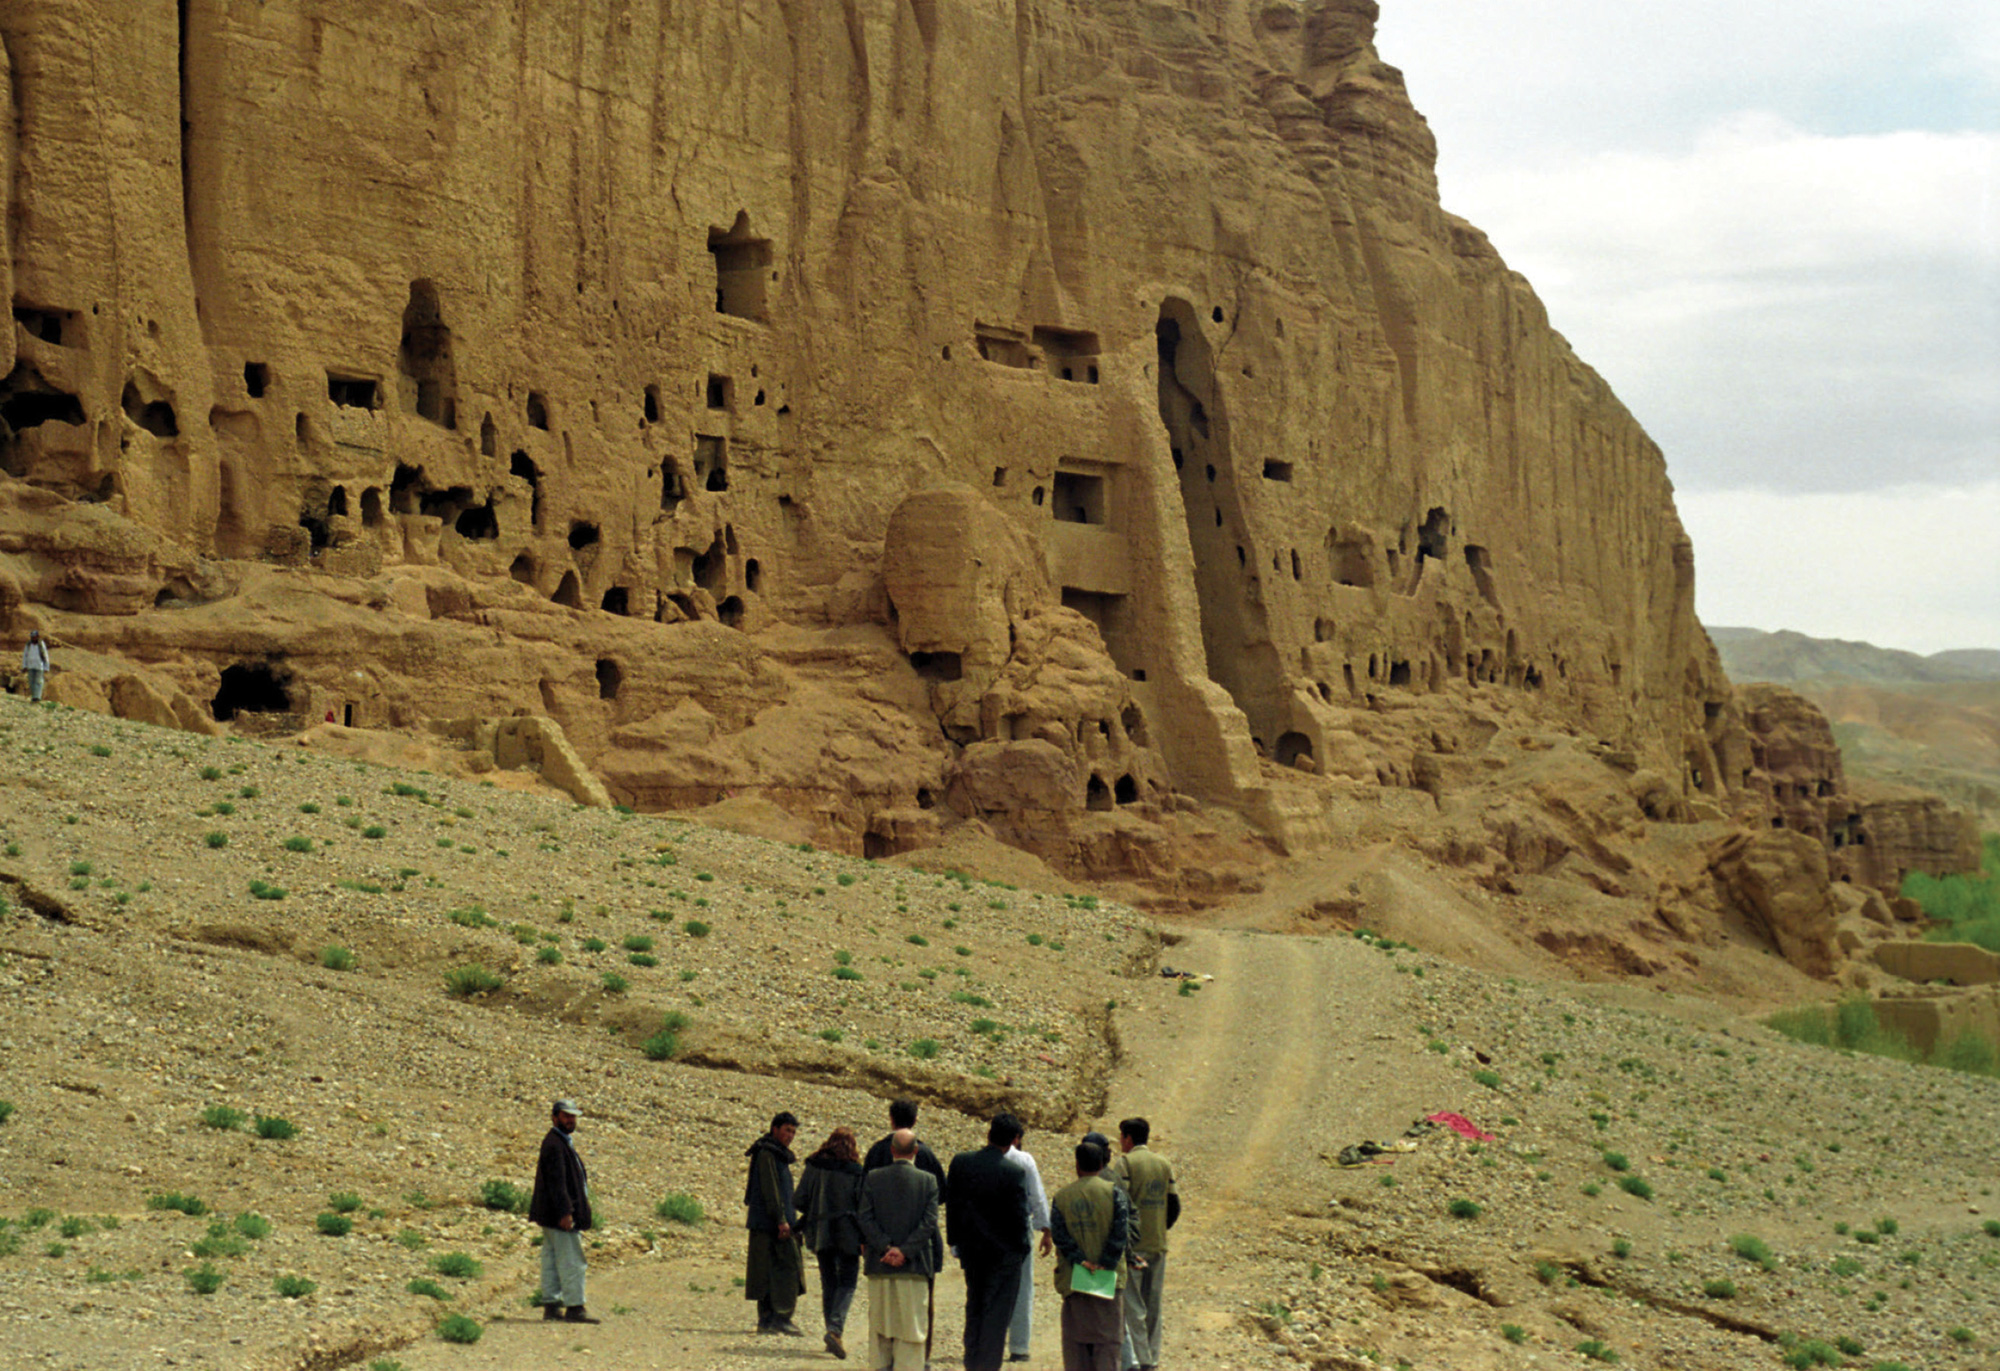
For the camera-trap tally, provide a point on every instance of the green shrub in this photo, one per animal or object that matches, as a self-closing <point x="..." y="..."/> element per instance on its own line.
<point x="1962" y="1335"/>
<point x="924" y="1049"/>
<point x="294" y="1287"/>
<point x="424" y="1285"/>
<point x="917" y="940"/>
<point x="458" y="1265"/>
<point x="298" y="844"/>
<point x="642" y="959"/>
<point x="337" y="958"/>
<point x="636" y="942"/>
<point x="1812" y="1353"/>
<point x="273" y="1127"/>
<point x="1617" y="1161"/>
<point x="220" y="1242"/>
<point x="205" y="1279"/>
<point x="1888" y="1228"/>
<point x="844" y="878"/>
<point x="6" y="1110"/>
<point x="614" y="984"/>
<point x="1636" y="1187"/>
<point x="1719" y="1289"/>
<point x="1489" y="1079"/>
<point x="74" y="1226"/>
<point x="216" y="838"/>
<point x="1991" y="1228"/>
<point x="374" y="831"/>
<point x="846" y="973"/>
<point x="695" y="928"/>
<point x="661" y="1046"/>
<point x="224" y="1117"/>
<point x="1596" y="1350"/>
<point x="504" y="1196"/>
<point x="343" y="1202"/>
<point x="185" y="1204"/>
<point x="831" y="1035"/>
<point x="1462" y="1209"/>
<point x="459" y="1328"/>
<point x="475" y="917"/>
<point x="1513" y="1332"/>
<point x="467" y="981"/>
<point x="264" y="890"/>
<point x="334" y="1225"/>
<point x="254" y="1226"/>
<point x="210" y="773"/>
<point x="1621" y="1248"/>
<point x="549" y="956"/>
<point x="413" y="1240"/>
<point x="967" y="997"/>
<point x="680" y="1207"/>
<point x="1849" y="1347"/>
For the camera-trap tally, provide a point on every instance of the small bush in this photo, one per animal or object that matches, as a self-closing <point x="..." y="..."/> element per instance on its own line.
<point x="337" y="958"/>
<point x="1719" y="1289"/>
<point x="205" y="1279"/>
<point x="467" y="981"/>
<point x="680" y="1207"/>
<point x="1489" y="1079"/>
<point x="1462" y="1209"/>
<point x="1812" y="1353"/>
<point x="458" y="1265"/>
<point x="298" y="844"/>
<point x="1513" y="1332"/>
<point x="636" y="942"/>
<point x="343" y="1202"/>
<point x="185" y="1204"/>
<point x="254" y="1226"/>
<point x="294" y="1287"/>
<point x="1621" y="1249"/>
<point x="424" y="1285"/>
<point x="614" y="984"/>
<point x="334" y="1225"/>
<point x="1849" y="1347"/>
<point x="459" y="1328"/>
<point x="1753" y="1249"/>
<point x="220" y="1242"/>
<point x="1636" y="1187"/>
<point x="642" y="959"/>
<point x="695" y="928"/>
<point x="549" y="956"/>
<point x="6" y="1110"/>
<point x="844" y="878"/>
<point x="661" y="1046"/>
<point x="264" y="890"/>
<point x="924" y="1049"/>
<point x="216" y="839"/>
<point x="917" y="940"/>
<point x="504" y="1196"/>
<point x="831" y="1035"/>
<point x="1991" y="1228"/>
<point x="1962" y="1336"/>
<point x="374" y="831"/>
<point x="846" y="973"/>
<point x="275" y="1128"/>
<point x="1596" y="1350"/>
<point x="1888" y="1227"/>
<point x="1617" y="1161"/>
<point x="224" y="1117"/>
<point x="210" y="773"/>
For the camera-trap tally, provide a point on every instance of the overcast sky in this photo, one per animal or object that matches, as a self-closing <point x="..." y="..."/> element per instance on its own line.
<point x="1774" y="228"/>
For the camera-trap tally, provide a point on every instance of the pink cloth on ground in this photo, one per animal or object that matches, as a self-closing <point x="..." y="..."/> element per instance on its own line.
<point x="1461" y="1125"/>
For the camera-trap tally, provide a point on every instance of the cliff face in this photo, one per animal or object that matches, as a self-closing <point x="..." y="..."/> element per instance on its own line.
<point x="909" y="408"/>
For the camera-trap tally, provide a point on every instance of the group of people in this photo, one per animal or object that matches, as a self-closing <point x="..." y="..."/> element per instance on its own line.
<point x="878" y="1215"/>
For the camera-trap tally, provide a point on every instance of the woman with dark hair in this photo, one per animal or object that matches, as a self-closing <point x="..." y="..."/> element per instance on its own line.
<point x="829" y="1190"/>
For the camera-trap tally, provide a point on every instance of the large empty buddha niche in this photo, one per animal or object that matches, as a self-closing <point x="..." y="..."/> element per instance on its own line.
<point x="742" y="270"/>
<point x="523" y="466"/>
<point x="609" y="677"/>
<point x="152" y="413"/>
<point x="1079" y="497"/>
<point x="569" y="591"/>
<point x="252" y="688"/>
<point x="353" y="392"/>
<point x="430" y="379"/>
<point x="1236" y="637"/>
<point x="711" y="462"/>
<point x="1005" y="346"/>
<point x="1069" y="354"/>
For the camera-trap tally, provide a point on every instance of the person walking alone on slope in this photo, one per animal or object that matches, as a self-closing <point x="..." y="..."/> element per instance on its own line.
<point x="561" y="1205"/>
<point x="35" y="662"/>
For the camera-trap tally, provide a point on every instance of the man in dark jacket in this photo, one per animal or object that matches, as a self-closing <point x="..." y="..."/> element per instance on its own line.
<point x="775" y="1276"/>
<point x="903" y="1114"/>
<point x="561" y="1205"/>
<point x="899" y="1235"/>
<point x="987" y="1226"/>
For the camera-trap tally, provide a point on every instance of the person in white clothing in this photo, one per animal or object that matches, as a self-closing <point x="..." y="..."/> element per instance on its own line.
<point x="1021" y="1329"/>
<point x="35" y="662"/>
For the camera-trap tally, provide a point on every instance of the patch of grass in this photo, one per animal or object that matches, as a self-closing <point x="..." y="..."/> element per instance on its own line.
<point x="1636" y="1187"/>
<point x="1489" y="1079"/>
<point x="295" y="843"/>
<point x="274" y="1128"/>
<point x="460" y="1329"/>
<point x="1596" y="1350"/>
<point x="1617" y="1161"/>
<point x="343" y="1202"/>
<point x="424" y="1285"/>
<point x="334" y="1225"/>
<point x="846" y="973"/>
<point x="1514" y="1333"/>
<point x="1844" y="1267"/>
<point x="264" y="890"/>
<point x="205" y="1279"/>
<point x="1812" y="1352"/>
<point x="613" y="983"/>
<point x="1621" y="1248"/>
<point x="294" y="1287"/>
<point x="210" y="773"/>
<point x="636" y="942"/>
<point x="549" y="956"/>
<point x="1753" y="1249"/>
<point x="1719" y="1289"/>
<point x="504" y="1196"/>
<point x="225" y="1117"/>
<point x="466" y="981"/>
<point x="695" y="928"/>
<point x="1962" y="1336"/>
<point x="680" y="1207"/>
<point x="216" y="839"/>
<point x="221" y="1241"/>
<point x="642" y="959"/>
<point x="1462" y="1209"/>
<point x="460" y="1266"/>
<point x="374" y="831"/>
<point x="253" y="1226"/>
<point x="831" y="1035"/>
<point x="411" y="1240"/>
<point x="924" y="1049"/>
<point x="174" y="1200"/>
<point x="967" y="997"/>
<point x="337" y="958"/>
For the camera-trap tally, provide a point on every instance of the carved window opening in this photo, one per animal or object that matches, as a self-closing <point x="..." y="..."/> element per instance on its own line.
<point x="711" y="462"/>
<point x="711" y="569"/>
<point x="742" y="270"/>
<point x="1003" y="346"/>
<point x="719" y="392"/>
<point x="1070" y="355"/>
<point x="155" y="416"/>
<point x="1097" y="795"/>
<point x="1038" y="497"/>
<point x="730" y="611"/>
<point x="652" y="405"/>
<point x="479" y="521"/>
<point x="617" y="600"/>
<point x="523" y="569"/>
<point x="336" y="502"/>
<point x="582" y="535"/>
<point x="353" y="392"/>
<point x="371" y="507"/>
<point x="256" y="379"/>
<point x="538" y="411"/>
<point x="1080" y="498"/>
<point x="610" y="676"/>
<point x="753" y="577"/>
<point x="1278" y="471"/>
<point x="569" y="591"/>
<point x="523" y="466"/>
<point x="43" y="325"/>
<point x="937" y="666"/>
<point x="425" y="357"/>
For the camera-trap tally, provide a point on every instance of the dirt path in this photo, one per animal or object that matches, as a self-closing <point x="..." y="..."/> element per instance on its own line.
<point x="1250" y="1084"/>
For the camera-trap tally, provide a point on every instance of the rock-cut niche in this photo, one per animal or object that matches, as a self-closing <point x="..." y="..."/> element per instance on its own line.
<point x="429" y="379"/>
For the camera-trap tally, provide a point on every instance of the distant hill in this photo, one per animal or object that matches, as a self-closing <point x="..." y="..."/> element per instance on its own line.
<point x="1750" y="654"/>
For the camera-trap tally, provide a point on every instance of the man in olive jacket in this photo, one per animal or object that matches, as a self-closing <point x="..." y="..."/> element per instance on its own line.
<point x="1090" y="1220"/>
<point x="898" y="1217"/>
<point x="1147" y="1178"/>
<point x="561" y="1205"/>
<point x="775" y="1272"/>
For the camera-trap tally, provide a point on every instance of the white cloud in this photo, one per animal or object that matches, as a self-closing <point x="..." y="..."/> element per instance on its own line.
<point x="1912" y="568"/>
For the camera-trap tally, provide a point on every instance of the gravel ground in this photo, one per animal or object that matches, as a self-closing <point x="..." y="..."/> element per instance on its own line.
<point x="155" y="985"/>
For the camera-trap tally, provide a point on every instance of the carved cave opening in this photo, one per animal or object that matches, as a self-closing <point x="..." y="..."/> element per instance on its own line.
<point x="371" y="507"/>
<point x="50" y="326"/>
<point x="252" y="688"/>
<point x="711" y="569"/>
<point x="730" y="611"/>
<point x="1069" y="354"/>
<point x="1111" y="615"/>
<point x="156" y="416"/>
<point x="569" y="591"/>
<point x="353" y="392"/>
<point x="479" y="521"/>
<point x="489" y="437"/>
<point x="582" y="535"/>
<point x="938" y="666"/>
<point x="1125" y="790"/>
<point x="650" y="407"/>
<point x="711" y="462"/>
<point x="672" y="489"/>
<point x="538" y="411"/>
<point x="610" y="676"/>
<point x="431" y="379"/>
<point x="1292" y="746"/>
<point x="742" y="270"/>
<point x="27" y="401"/>
<point x="256" y="379"/>
<point x="523" y="467"/>
<point x="617" y="600"/>
<point x="1003" y="346"/>
<point x="1097" y="795"/>
<point x="718" y="392"/>
<point x="1278" y="471"/>
<point x="1079" y="497"/>
<point x="523" y="569"/>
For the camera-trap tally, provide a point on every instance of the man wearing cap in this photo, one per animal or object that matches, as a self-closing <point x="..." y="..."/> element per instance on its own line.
<point x="561" y="1205"/>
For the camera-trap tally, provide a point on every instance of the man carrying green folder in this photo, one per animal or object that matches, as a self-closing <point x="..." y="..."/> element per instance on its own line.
<point x="1090" y="1220"/>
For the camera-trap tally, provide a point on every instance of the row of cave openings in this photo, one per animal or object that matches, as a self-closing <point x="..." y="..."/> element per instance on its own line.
<point x="1064" y="353"/>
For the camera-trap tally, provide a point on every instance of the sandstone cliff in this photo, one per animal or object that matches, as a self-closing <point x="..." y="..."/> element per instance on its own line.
<point x="913" y="411"/>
